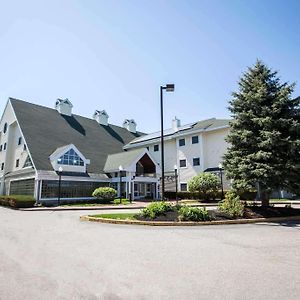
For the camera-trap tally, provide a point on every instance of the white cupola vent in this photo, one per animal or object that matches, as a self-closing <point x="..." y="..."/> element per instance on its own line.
<point x="64" y="106"/>
<point x="130" y="125"/>
<point x="175" y="124"/>
<point x="101" y="117"/>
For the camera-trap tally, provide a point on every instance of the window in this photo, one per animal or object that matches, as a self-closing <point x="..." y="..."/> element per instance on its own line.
<point x="28" y="162"/>
<point x="156" y="148"/>
<point x="5" y="128"/>
<point x="70" y="158"/>
<point x="25" y="147"/>
<point x="17" y="163"/>
<point x="182" y="142"/>
<point x="196" y="161"/>
<point x="183" y="187"/>
<point x="195" y="139"/>
<point x="4" y="146"/>
<point x="2" y="166"/>
<point x="22" y="187"/>
<point x="182" y="163"/>
<point x="0" y="148"/>
<point x="20" y="141"/>
<point x="70" y="189"/>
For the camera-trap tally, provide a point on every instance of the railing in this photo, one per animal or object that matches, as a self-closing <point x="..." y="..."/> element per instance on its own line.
<point x="152" y="175"/>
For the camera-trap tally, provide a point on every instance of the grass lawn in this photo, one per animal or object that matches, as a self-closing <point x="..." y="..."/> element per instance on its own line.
<point x="124" y="216"/>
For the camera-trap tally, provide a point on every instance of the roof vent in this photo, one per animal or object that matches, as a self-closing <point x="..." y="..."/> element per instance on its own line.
<point x="175" y="124"/>
<point x="64" y="106"/>
<point x="101" y="117"/>
<point x="130" y="125"/>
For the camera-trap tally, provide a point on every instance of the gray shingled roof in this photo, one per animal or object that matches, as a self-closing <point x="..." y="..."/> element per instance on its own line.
<point x="124" y="159"/>
<point x="208" y="124"/>
<point x="45" y="130"/>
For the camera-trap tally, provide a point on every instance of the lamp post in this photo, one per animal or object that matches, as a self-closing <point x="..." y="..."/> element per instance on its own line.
<point x="60" y="169"/>
<point x="120" y="173"/>
<point x="168" y="88"/>
<point x="176" y="182"/>
<point x="221" y="175"/>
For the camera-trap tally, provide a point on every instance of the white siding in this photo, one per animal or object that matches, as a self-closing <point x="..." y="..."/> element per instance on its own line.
<point x="215" y="147"/>
<point x="13" y="150"/>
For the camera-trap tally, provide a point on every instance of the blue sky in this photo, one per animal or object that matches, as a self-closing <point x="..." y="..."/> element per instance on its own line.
<point x="114" y="55"/>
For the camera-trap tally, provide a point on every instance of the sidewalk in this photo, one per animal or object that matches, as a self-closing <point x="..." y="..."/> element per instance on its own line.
<point x="136" y="205"/>
<point x="133" y="205"/>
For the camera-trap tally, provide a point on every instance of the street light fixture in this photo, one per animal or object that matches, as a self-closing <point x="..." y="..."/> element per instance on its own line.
<point x="221" y="175"/>
<point x="176" y="182"/>
<point x="169" y="88"/>
<point x="60" y="169"/>
<point x="120" y="173"/>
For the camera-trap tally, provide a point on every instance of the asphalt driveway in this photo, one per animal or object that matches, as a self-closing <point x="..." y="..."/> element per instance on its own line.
<point x="54" y="255"/>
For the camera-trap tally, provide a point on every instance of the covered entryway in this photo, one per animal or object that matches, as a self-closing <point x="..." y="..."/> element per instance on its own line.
<point x="134" y="173"/>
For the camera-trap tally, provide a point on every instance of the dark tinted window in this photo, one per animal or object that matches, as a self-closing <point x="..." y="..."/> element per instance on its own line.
<point x="5" y="128"/>
<point x="181" y="142"/>
<point x="156" y="148"/>
<point x="182" y="163"/>
<point x="19" y="141"/>
<point x="183" y="187"/>
<point x="195" y="139"/>
<point x="196" y="161"/>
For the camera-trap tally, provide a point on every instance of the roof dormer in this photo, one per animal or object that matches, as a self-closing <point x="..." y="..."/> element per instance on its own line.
<point x="64" y="106"/>
<point x="101" y="117"/>
<point x="69" y="158"/>
<point x="130" y="125"/>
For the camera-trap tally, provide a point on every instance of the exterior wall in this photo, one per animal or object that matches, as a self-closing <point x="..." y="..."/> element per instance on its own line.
<point x="13" y="150"/>
<point x="210" y="148"/>
<point x="170" y="154"/>
<point x="215" y="147"/>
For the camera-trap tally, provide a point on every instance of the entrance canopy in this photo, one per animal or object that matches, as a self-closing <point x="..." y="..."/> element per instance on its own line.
<point x="137" y="161"/>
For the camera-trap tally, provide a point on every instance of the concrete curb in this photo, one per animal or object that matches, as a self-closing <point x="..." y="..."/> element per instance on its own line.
<point x="128" y="206"/>
<point x="164" y="223"/>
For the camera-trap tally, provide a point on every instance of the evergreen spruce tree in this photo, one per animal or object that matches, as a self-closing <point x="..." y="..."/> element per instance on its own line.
<point x="264" y="138"/>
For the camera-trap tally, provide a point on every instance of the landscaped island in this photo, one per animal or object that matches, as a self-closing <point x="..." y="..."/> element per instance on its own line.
<point x="230" y="209"/>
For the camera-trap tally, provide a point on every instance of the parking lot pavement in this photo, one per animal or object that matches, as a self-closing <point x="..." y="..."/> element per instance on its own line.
<point x="54" y="255"/>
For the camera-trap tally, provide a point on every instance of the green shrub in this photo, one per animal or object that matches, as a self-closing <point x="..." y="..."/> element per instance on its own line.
<point x="156" y="209"/>
<point x="104" y="193"/>
<point x="194" y="214"/>
<point x="232" y="205"/>
<point x="17" y="201"/>
<point x="207" y="184"/>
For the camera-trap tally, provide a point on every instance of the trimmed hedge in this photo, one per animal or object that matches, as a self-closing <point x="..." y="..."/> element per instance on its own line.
<point x="17" y="201"/>
<point x="246" y="195"/>
<point x="105" y="194"/>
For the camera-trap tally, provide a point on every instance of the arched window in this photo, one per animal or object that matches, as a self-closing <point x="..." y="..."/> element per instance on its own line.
<point x="70" y="158"/>
<point x="5" y="128"/>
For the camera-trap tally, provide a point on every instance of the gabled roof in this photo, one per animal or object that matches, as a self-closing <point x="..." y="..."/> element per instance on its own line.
<point x="45" y="130"/>
<point x="209" y="124"/>
<point x="124" y="159"/>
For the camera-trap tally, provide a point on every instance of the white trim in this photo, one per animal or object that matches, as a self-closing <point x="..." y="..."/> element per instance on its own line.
<point x="171" y="136"/>
<point x="27" y="148"/>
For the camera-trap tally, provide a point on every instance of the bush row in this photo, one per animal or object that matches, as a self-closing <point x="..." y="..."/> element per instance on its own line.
<point x="17" y="201"/>
<point x="184" y="213"/>
<point x="247" y="195"/>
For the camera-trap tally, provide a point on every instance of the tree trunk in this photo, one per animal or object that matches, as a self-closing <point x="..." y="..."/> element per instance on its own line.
<point x="265" y="199"/>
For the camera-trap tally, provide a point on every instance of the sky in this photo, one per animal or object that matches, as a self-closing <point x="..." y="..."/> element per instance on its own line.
<point x="114" y="55"/>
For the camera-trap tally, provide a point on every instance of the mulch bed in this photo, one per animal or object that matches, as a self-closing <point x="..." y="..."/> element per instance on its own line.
<point x="253" y="212"/>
